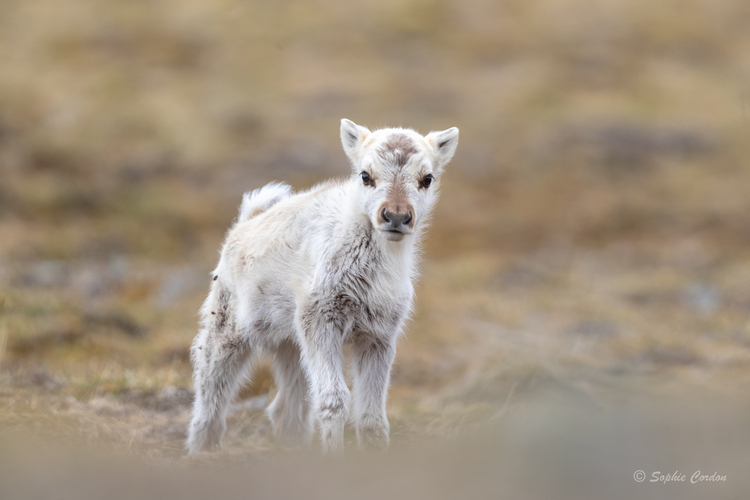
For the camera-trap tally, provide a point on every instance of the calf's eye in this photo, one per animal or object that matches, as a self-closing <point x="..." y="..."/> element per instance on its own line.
<point x="366" y="179"/>
<point x="426" y="181"/>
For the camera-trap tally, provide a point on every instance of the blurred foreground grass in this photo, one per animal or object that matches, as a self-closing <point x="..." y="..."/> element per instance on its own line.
<point x="554" y="447"/>
<point x="592" y="234"/>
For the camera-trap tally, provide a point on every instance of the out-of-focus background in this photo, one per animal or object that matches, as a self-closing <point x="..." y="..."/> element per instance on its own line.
<point x="592" y="241"/>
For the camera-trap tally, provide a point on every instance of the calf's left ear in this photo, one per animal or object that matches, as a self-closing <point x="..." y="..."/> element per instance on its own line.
<point x="352" y="136"/>
<point x="444" y="143"/>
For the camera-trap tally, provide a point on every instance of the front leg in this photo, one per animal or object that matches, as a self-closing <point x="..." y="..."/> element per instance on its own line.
<point x="371" y="365"/>
<point x="322" y="358"/>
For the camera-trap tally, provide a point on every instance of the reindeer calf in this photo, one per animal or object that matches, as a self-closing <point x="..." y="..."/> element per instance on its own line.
<point x="300" y="274"/>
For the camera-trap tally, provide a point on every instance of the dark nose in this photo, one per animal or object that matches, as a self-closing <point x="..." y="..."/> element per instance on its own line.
<point x="396" y="220"/>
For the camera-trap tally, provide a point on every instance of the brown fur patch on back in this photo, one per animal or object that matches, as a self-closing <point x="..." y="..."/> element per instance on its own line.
<point x="399" y="147"/>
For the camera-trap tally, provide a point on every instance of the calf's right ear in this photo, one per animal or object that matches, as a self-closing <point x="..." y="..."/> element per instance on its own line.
<point x="352" y="137"/>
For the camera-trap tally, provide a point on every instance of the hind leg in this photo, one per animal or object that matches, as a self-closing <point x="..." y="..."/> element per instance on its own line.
<point x="220" y="360"/>
<point x="290" y="412"/>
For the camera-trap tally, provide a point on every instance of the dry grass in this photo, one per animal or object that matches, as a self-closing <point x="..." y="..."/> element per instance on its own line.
<point x="592" y="234"/>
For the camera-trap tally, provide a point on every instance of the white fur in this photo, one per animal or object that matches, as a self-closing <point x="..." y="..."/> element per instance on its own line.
<point x="301" y="274"/>
<point x="262" y="199"/>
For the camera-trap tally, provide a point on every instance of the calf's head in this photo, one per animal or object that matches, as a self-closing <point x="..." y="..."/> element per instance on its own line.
<point x="398" y="173"/>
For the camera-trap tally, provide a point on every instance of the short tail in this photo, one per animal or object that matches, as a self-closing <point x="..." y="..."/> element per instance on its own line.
<point x="260" y="200"/>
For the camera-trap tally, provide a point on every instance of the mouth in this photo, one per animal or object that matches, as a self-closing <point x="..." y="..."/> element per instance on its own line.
<point x="393" y="235"/>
